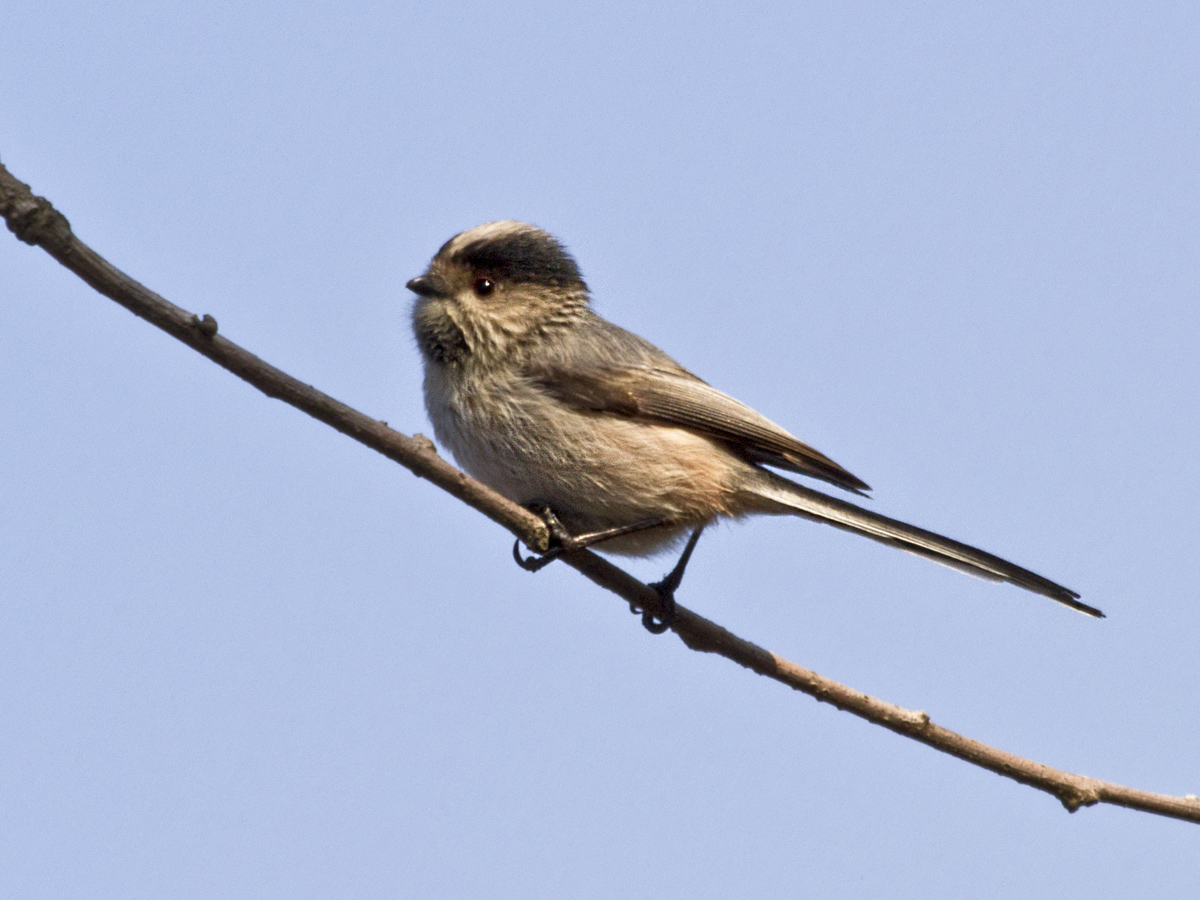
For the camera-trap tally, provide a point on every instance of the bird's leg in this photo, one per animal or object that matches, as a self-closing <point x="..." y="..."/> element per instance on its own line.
<point x="562" y="541"/>
<point x="666" y="590"/>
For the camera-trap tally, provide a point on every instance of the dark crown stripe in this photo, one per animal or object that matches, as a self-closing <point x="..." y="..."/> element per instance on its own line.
<point x="529" y="256"/>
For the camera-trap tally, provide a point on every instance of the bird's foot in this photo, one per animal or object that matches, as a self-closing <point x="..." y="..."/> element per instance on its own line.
<point x="657" y="623"/>
<point x="562" y="541"/>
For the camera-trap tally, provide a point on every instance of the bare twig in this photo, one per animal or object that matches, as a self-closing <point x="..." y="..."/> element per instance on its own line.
<point x="36" y="222"/>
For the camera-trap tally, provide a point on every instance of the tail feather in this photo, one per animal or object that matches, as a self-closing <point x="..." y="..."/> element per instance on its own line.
<point x="788" y="497"/>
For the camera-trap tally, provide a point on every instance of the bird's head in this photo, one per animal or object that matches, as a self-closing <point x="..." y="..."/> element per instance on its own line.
<point x="494" y="289"/>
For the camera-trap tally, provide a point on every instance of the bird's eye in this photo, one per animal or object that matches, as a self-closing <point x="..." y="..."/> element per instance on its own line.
<point x="483" y="287"/>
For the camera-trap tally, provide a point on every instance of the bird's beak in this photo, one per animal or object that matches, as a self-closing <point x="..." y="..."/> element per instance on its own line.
<point x="429" y="286"/>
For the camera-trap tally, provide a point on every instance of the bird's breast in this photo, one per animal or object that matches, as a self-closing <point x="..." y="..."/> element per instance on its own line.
<point x="595" y="470"/>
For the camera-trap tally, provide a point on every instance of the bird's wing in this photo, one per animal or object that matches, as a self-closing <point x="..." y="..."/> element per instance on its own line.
<point x="672" y="396"/>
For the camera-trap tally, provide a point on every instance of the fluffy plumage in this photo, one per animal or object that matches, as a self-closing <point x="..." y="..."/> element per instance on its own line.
<point x="547" y="403"/>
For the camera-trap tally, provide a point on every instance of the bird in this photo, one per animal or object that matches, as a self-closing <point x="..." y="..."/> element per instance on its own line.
<point x="614" y="443"/>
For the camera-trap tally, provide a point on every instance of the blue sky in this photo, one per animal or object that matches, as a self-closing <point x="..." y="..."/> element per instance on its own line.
<point x="954" y="248"/>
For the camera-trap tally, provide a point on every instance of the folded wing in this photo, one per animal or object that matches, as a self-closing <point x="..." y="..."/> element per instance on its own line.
<point x="676" y="397"/>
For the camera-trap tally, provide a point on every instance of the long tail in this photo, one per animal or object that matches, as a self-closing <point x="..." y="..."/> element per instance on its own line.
<point x="785" y="496"/>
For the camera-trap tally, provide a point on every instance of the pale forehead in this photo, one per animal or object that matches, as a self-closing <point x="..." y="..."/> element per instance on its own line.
<point x="487" y="232"/>
<point x="512" y="251"/>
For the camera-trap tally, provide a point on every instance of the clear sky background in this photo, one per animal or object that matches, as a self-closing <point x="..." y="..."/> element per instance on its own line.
<point x="955" y="247"/>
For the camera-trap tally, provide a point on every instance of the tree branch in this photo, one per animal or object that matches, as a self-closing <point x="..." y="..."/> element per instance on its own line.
<point x="35" y="221"/>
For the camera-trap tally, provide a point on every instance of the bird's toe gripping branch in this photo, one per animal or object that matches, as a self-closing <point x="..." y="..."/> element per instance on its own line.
<point x="562" y="541"/>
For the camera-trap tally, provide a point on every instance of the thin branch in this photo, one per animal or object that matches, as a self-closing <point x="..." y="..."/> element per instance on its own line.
<point x="35" y="221"/>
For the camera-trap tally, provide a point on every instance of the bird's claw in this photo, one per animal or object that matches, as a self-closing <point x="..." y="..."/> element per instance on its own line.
<point x="560" y="542"/>
<point x="535" y="563"/>
<point x="657" y="624"/>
